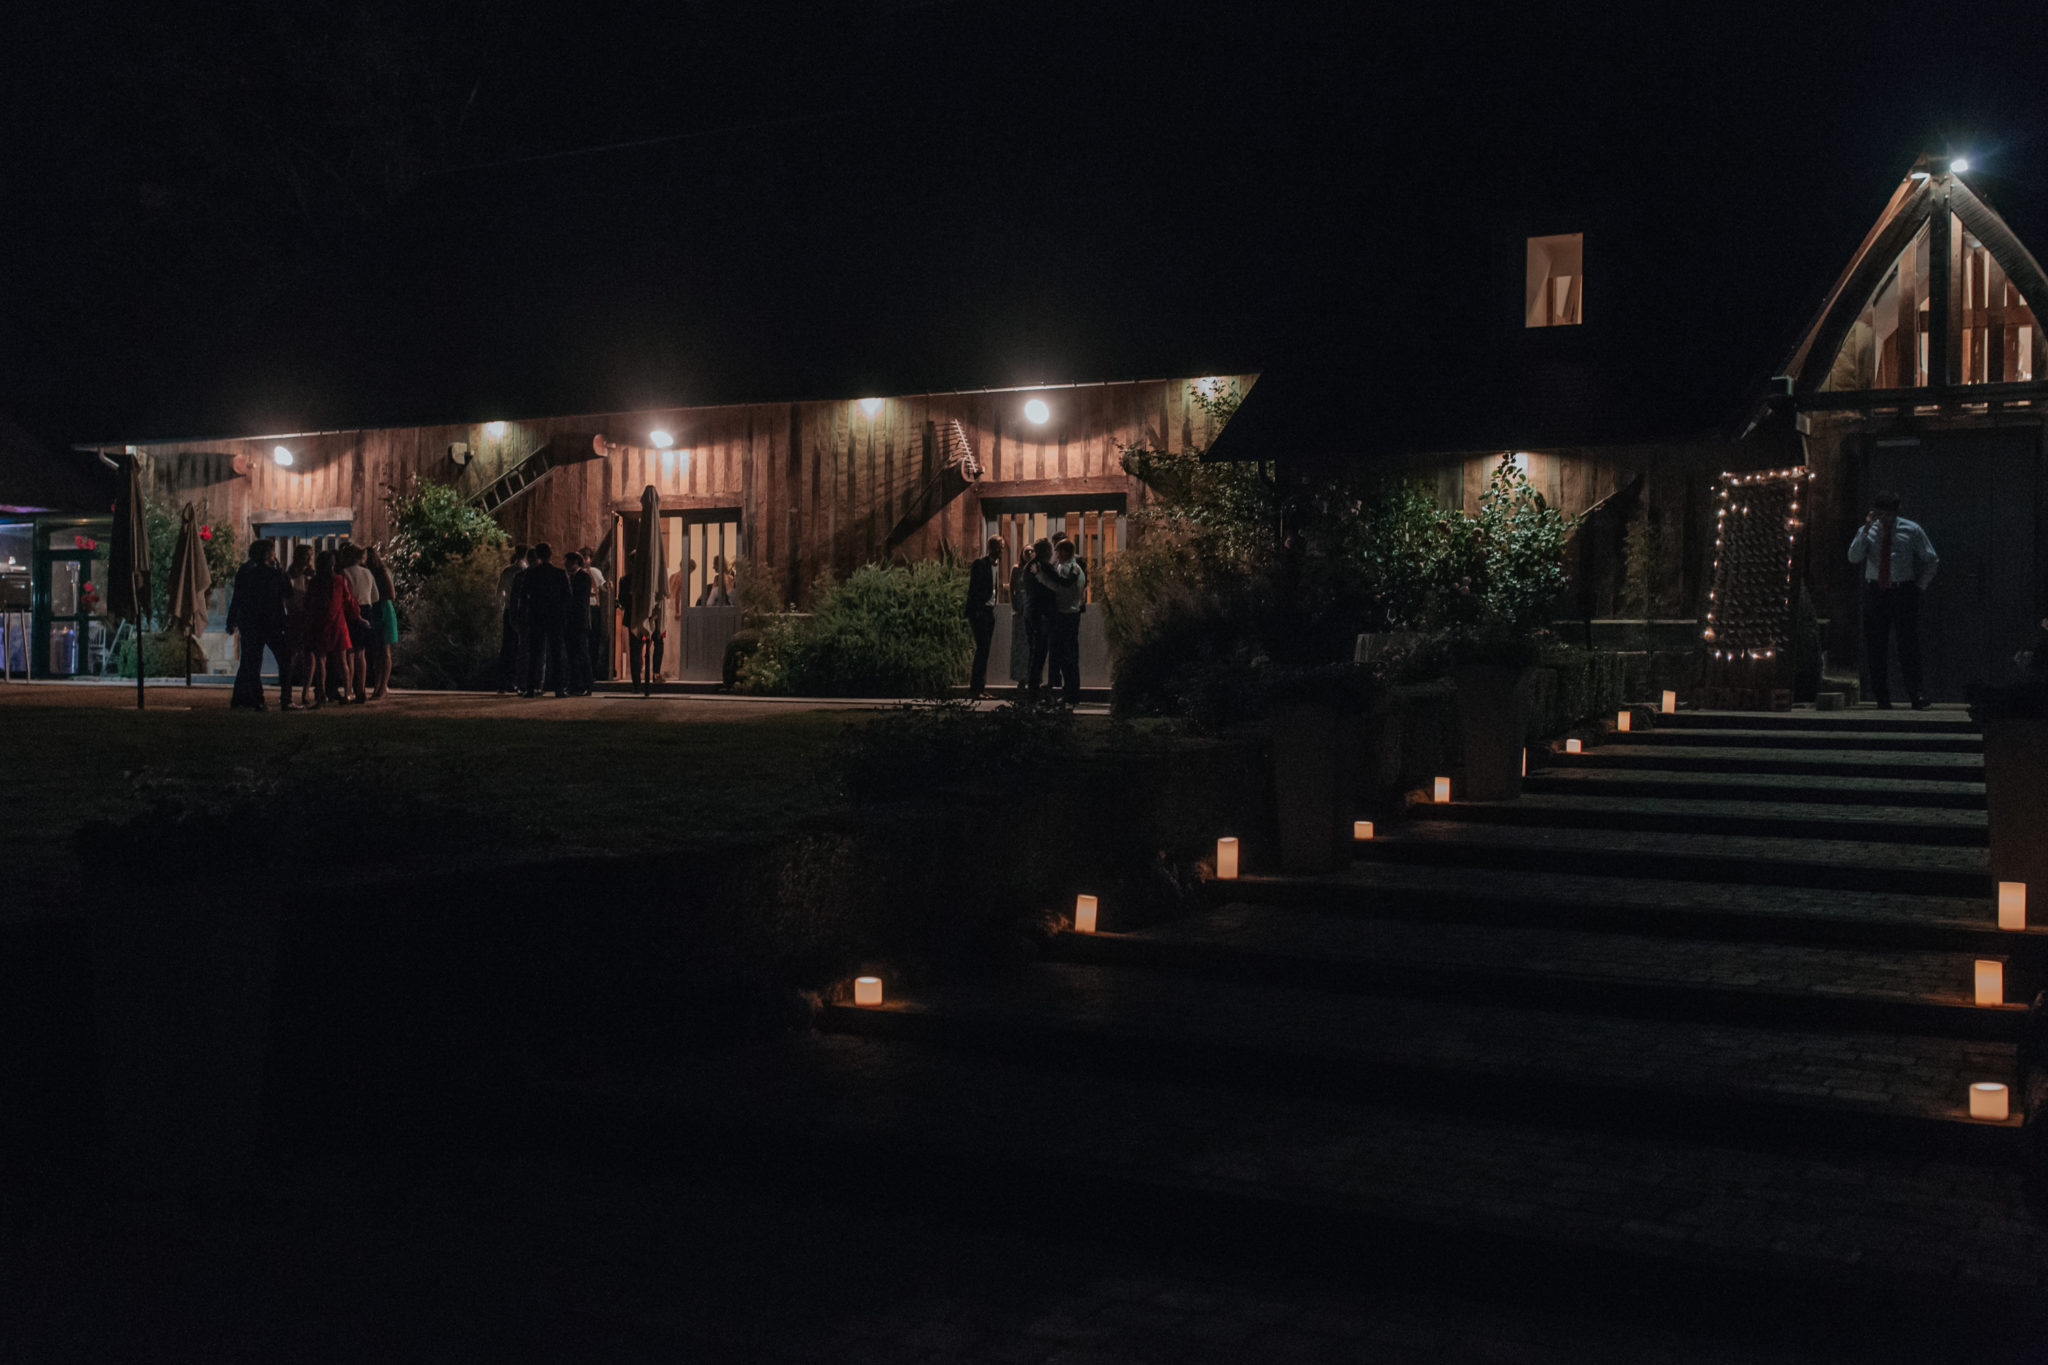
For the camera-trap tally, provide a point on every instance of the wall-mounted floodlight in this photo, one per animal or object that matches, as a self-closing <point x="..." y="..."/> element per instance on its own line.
<point x="871" y="406"/>
<point x="282" y="454"/>
<point x="1960" y="164"/>
<point x="1916" y="175"/>
<point x="1038" y="412"/>
<point x="494" y="430"/>
<point x="662" y="439"/>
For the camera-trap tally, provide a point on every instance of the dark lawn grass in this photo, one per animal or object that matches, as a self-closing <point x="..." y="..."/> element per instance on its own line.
<point x="510" y="786"/>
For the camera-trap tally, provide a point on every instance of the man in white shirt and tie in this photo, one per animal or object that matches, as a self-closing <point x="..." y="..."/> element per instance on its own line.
<point x="1898" y="565"/>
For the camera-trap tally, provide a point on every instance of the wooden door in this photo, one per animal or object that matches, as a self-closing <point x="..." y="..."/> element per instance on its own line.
<point x="1976" y="493"/>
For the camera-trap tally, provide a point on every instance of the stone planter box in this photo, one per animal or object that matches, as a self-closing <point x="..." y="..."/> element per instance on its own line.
<point x="1312" y="742"/>
<point x="2016" y="795"/>
<point x="1491" y="730"/>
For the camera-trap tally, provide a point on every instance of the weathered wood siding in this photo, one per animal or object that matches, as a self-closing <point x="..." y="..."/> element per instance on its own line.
<point x="818" y="485"/>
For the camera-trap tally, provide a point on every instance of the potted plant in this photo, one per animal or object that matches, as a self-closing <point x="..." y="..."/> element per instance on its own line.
<point x="2015" y="721"/>
<point x="1319" y="733"/>
<point x="1488" y="664"/>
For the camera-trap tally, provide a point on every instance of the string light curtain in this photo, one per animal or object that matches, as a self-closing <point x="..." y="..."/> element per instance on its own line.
<point x="1758" y="522"/>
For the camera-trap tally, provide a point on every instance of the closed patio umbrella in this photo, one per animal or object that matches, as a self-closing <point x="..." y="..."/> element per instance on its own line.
<point x="128" y="564"/>
<point x="191" y="583"/>
<point x="648" y="574"/>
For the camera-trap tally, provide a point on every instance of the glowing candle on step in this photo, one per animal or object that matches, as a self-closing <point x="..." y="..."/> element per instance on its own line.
<point x="1361" y="829"/>
<point x="1670" y="706"/>
<point x="1084" y="914"/>
<point x="1226" y="859"/>
<point x="1525" y="762"/>
<point x="1443" y="790"/>
<point x="1572" y="746"/>
<point x="867" y="990"/>
<point x="1990" y="982"/>
<point x="2012" y="905"/>
<point x="1988" y="1101"/>
<point x="1621" y="721"/>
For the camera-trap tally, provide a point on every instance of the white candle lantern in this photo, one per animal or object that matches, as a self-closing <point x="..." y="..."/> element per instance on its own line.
<point x="1361" y="829"/>
<point x="1621" y="721"/>
<point x="1442" y="792"/>
<point x="1525" y="762"/>
<point x="1990" y="982"/>
<point x="1226" y="859"/>
<point x="867" y="990"/>
<point x="1988" y="1100"/>
<point x="2012" y="905"/>
<point x="1572" y="746"/>
<point x="1084" y="914"/>
<point x="1670" y="703"/>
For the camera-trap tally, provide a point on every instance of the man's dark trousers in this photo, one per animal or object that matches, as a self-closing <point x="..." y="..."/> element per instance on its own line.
<point x="547" y="661"/>
<point x="249" y="677"/>
<point x="983" y="622"/>
<point x="510" y="657"/>
<point x="1065" y="650"/>
<point x="1039" y="636"/>
<point x="1887" y="611"/>
<point x="577" y="642"/>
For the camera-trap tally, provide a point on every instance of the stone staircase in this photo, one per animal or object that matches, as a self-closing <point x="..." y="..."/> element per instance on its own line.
<point x="1683" y="1036"/>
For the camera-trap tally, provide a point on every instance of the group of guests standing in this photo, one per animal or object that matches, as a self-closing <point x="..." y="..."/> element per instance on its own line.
<point x="1048" y="593"/>
<point x="551" y="622"/>
<point x="328" y="620"/>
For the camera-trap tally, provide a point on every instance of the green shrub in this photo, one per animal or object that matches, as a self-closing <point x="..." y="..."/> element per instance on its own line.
<point x="160" y="520"/>
<point x="165" y="653"/>
<point x="452" y="626"/>
<point x="884" y="632"/>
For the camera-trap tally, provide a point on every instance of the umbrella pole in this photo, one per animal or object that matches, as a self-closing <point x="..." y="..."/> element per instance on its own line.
<point x="138" y="668"/>
<point x="188" y="658"/>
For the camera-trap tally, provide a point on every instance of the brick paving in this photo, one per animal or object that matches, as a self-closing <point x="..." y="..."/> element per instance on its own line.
<point x="1945" y="978"/>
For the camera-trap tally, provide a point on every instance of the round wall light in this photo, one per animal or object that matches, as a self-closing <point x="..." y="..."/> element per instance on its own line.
<point x="282" y="454"/>
<point x="662" y="439"/>
<point x="1037" y="411"/>
<point x="871" y="406"/>
<point x="494" y="430"/>
<point x="1960" y="164"/>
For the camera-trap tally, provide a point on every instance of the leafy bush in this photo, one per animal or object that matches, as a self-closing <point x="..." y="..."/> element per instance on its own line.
<point x="453" y="626"/>
<point x="884" y="632"/>
<point x="432" y="526"/>
<point x="165" y="652"/>
<point x="919" y="750"/>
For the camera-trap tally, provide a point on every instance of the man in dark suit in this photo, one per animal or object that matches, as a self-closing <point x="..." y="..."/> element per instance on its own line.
<point x="577" y="636"/>
<point x="545" y="588"/>
<point x="981" y="611"/>
<point x="257" y="611"/>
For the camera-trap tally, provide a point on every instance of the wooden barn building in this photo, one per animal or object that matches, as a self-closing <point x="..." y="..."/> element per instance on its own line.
<point x="794" y="490"/>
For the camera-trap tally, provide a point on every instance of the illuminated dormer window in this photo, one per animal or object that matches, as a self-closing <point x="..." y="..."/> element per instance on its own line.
<point x="1554" y="294"/>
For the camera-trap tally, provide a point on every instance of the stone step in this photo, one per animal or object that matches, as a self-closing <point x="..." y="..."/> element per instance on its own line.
<point x="1863" y="741"/>
<point x="1789" y="819"/>
<point x="1765" y="985"/>
<point x="1470" y="893"/>
<point x="1834" y="1090"/>
<point x="1824" y="864"/>
<point x="1877" y="1254"/>
<point x="1847" y="791"/>
<point x="1764" y="759"/>
<point x="1941" y="720"/>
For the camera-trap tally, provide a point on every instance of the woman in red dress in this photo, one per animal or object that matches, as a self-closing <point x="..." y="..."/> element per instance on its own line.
<point x="330" y="609"/>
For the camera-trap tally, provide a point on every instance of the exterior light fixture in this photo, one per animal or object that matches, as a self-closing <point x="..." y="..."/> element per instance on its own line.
<point x="1226" y="860"/>
<point x="1988" y="1100"/>
<point x="871" y="406"/>
<point x="1084" y="914"/>
<point x="1917" y="175"/>
<point x="494" y="430"/>
<point x="1959" y="165"/>
<point x="1361" y="829"/>
<point x="867" y="990"/>
<point x="282" y="454"/>
<point x="1441" y="790"/>
<point x="662" y="439"/>
<point x="2012" y="905"/>
<point x="1990" y="982"/>
<point x="1037" y="411"/>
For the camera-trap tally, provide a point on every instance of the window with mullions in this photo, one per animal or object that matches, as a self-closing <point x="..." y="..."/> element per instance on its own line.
<point x="1099" y="535"/>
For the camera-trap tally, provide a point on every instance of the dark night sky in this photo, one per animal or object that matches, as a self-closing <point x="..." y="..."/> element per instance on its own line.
<point x="256" y="217"/>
